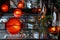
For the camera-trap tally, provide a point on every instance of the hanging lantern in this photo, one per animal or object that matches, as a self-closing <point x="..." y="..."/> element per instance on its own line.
<point x="4" y="7"/>
<point x="20" y="5"/>
<point x="13" y="26"/>
<point x="39" y="10"/>
<point x="43" y="16"/>
<point x="52" y="30"/>
<point x="17" y="12"/>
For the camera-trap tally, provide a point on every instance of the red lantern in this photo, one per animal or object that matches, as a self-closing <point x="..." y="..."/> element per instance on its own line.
<point x="20" y="5"/>
<point x="4" y="7"/>
<point x="39" y="9"/>
<point x="17" y="12"/>
<point x="13" y="26"/>
<point x="52" y="30"/>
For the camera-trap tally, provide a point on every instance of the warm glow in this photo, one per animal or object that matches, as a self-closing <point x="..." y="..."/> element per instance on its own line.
<point x="39" y="10"/>
<point x="22" y="1"/>
<point x="43" y="16"/>
<point x="13" y="26"/>
<point x="4" y="8"/>
<point x="20" y="5"/>
<point x="58" y="29"/>
<point x="16" y="27"/>
<point x="13" y="29"/>
<point x="17" y="12"/>
<point x="53" y="28"/>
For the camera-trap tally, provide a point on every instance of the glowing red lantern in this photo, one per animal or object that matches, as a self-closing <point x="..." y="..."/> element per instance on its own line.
<point x="20" y="5"/>
<point x="4" y="7"/>
<point x="13" y="26"/>
<point x="17" y="12"/>
<point x="43" y="16"/>
<point x="39" y="9"/>
<point x="52" y="30"/>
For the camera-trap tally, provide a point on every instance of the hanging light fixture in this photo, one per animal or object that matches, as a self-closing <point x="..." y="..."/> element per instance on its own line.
<point x="20" y="5"/>
<point x="52" y="29"/>
<point x="4" y="7"/>
<point x="43" y="16"/>
<point x="39" y="10"/>
<point x="17" y="12"/>
<point x="13" y="26"/>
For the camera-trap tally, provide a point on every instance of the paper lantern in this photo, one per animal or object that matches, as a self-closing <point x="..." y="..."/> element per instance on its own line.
<point x="4" y="7"/>
<point x="52" y="30"/>
<point x="20" y="5"/>
<point x="17" y="13"/>
<point x="13" y="26"/>
<point x="43" y="16"/>
<point x="39" y="10"/>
